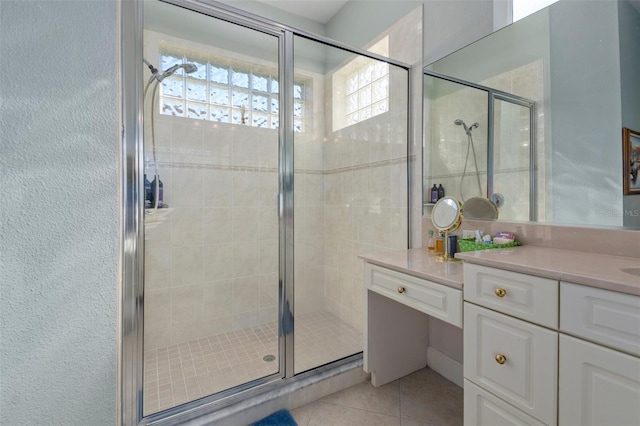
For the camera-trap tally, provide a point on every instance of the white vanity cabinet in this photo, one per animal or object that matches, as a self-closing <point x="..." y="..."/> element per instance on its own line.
<point x="539" y="351"/>
<point x="510" y="357"/>
<point x="599" y="384"/>
<point x="398" y="306"/>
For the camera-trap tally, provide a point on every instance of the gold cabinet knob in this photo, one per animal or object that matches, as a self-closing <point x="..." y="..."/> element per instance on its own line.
<point x="501" y="292"/>
<point x="400" y="289"/>
<point x="501" y="359"/>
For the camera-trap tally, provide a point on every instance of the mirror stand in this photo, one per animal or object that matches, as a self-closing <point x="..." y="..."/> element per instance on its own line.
<point x="446" y="216"/>
<point x="445" y="249"/>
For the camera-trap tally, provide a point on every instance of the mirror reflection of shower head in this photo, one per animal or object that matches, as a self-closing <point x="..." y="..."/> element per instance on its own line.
<point x="467" y="130"/>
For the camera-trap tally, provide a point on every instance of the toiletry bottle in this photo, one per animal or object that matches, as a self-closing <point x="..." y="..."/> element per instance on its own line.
<point x="453" y="245"/>
<point x="439" y="244"/>
<point x="434" y="193"/>
<point x="148" y="198"/>
<point x="440" y="191"/>
<point x="431" y="244"/>
<point x="160" y="191"/>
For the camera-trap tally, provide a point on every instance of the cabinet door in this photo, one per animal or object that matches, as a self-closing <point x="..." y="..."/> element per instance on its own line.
<point x="484" y="409"/>
<point x="513" y="359"/>
<point x="598" y="386"/>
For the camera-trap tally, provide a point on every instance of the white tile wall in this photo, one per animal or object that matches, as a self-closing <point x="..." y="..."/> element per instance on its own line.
<point x="211" y="258"/>
<point x="366" y="190"/>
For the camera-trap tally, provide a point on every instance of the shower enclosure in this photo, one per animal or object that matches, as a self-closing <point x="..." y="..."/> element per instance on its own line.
<point x="282" y="156"/>
<point x="480" y="141"/>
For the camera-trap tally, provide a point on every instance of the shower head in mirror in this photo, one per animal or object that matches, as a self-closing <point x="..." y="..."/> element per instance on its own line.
<point x="469" y="129"/>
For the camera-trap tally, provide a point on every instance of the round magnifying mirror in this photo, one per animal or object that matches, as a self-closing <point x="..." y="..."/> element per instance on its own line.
<point x="446" y="214"/>
<point x="480" y="208"/>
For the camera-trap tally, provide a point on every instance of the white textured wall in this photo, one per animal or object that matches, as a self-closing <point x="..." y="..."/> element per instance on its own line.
<point x="58" y="296"/>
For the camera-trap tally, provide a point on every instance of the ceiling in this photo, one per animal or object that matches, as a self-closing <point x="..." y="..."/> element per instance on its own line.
<point x="323" y="10"/>
<point x="317" y="10"/>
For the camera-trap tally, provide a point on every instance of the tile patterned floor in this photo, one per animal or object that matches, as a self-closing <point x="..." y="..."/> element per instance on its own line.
<point x="181" y="373"/>
<point x="423" y="398"/>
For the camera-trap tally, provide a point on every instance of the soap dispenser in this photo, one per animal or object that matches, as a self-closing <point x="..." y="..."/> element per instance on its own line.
<point x="434" y="194"/>
<point x="158" y="202"/>
<point x="148" y="198"/>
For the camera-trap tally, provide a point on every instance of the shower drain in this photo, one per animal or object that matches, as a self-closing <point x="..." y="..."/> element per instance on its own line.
<point x="269" y="358"/>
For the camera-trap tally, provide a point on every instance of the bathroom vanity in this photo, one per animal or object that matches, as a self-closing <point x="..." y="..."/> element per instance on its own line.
<point x="402" y="289"/>
<point x="550" y="336"/>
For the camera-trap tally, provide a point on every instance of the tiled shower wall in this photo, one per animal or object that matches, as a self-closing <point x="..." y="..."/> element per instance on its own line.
<point x="448" y="143"/>
<point x="366" y="181"/>
<point x="211" y="258"/>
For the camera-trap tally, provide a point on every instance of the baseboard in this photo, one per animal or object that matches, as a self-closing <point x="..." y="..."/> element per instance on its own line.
<point x="445" y="366"/>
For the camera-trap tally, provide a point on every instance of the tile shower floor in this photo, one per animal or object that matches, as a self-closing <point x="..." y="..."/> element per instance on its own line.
<point x="185" y="372"/>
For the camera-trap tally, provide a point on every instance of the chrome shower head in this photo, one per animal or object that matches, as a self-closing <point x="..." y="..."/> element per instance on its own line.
<point x="188" y="68"/>
<point x="467" y="130"/>
<point x="459" y="122"/>
<point x="155" y="75"/>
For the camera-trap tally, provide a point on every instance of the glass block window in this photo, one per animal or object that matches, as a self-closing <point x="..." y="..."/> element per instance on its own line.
<point x="226" y="93"/>
<point x="367" y="91"/>
<point x="366" y="88"/>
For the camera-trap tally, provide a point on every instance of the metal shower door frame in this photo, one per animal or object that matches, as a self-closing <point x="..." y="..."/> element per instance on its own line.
<point x="131" y="256"/>
<point x="493" y="95"/>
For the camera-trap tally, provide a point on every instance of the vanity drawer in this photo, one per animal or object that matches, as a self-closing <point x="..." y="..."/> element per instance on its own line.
<point x="514" y="360"/>
<point x="602" y="316"/>
<point x="481" y="408"/>
<point x="524" y="296"/>
<point x="436" y="300"/>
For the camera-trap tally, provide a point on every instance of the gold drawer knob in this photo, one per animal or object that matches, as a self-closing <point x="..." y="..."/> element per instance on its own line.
<point x="400" y="289"/>
<point x="501" y="359"/>
<point x="501" y="292"/>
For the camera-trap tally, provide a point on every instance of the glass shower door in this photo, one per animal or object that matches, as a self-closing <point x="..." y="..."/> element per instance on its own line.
<point x="211" y="283"/>
<point x="350" y="122"/>
<point x="513" y="171"/>
<point x="479" y="141"/>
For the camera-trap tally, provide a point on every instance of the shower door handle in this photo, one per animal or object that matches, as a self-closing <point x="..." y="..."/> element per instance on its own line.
<point x="280" y="204"/>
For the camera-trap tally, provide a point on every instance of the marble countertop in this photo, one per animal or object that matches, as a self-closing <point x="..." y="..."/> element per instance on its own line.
<point x="419" y="263"/>
<point x="621" y="274"/>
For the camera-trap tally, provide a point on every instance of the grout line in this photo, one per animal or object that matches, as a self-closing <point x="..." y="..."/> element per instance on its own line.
<point x="251" y="345"/>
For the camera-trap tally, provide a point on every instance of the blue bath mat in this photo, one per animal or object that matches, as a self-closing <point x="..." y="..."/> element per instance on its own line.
<point x="279" y="418"/>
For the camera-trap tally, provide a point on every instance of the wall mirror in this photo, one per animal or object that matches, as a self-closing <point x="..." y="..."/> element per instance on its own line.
<point x="534" y="113"/>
